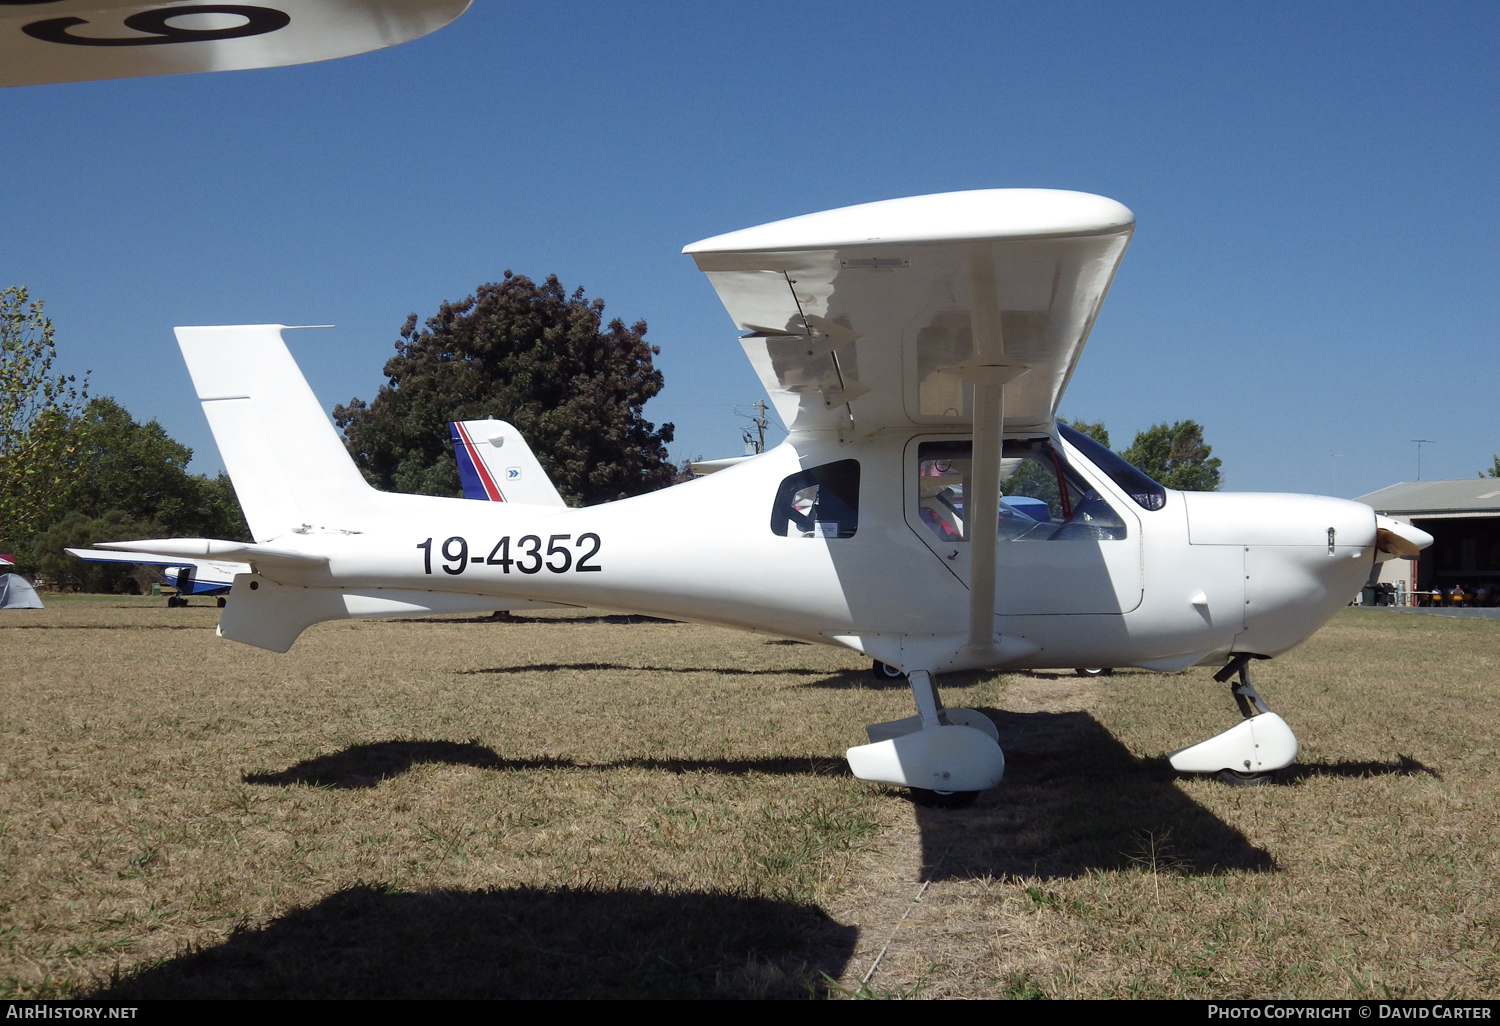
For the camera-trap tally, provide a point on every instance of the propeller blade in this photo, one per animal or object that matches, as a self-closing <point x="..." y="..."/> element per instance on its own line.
<point x="1398" y="539"/>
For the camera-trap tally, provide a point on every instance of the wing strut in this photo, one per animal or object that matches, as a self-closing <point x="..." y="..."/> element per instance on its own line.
<point x="989" y="372"/>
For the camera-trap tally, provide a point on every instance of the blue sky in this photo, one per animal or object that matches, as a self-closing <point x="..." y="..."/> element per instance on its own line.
<point x="1313" y="276"/>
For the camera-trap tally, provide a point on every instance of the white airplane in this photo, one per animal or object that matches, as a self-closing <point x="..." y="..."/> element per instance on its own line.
<point x="916" y="350"/>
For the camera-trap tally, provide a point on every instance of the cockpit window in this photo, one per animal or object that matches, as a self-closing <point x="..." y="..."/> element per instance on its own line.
<point x="821" y="502"/>
<point x="1131" y="479"/>
<point x="1041" y="497"/>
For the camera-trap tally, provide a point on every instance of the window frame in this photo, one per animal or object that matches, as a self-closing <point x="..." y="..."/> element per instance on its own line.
<point x="781" y="522"/>
<point x="1080" y="472"/>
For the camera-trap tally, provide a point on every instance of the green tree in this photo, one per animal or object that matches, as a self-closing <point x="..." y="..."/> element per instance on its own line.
<point x="84" y="466"/>
<point x="126" y="480"/>
<point x="78" y="531"/>
<point x="36" y="409"/>
<point x="1094" y="429"/>
<point x="1493" y="471"/>
<point x="525" y="353"/>
<point x="139" y="471"/>
<point x="1176" y="456"/>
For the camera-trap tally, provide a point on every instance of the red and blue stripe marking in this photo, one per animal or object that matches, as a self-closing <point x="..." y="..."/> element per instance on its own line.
<point x="476" y="478"/>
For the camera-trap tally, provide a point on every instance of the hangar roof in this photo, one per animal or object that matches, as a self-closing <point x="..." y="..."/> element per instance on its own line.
<point x="1471" y="497"/>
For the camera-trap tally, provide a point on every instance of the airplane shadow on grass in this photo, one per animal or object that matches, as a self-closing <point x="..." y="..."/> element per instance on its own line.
<point x="367" y="765"/>
<point x="732" y="671"/>
<point x="368" y="942"/>
<point x="1074" y="799"/>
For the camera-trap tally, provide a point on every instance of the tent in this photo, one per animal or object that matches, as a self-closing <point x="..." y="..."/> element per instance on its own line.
<point x="16" y="592"/>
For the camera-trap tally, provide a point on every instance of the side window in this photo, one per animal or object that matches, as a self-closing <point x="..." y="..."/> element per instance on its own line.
<point x="1041" y="497"/>
<point x="822" y="502"/>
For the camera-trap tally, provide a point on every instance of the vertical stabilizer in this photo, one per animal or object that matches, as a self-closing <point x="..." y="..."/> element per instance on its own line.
<point x="495" y="464"/>
<point x="288" y="465"/>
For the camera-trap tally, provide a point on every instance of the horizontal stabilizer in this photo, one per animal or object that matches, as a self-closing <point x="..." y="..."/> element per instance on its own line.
<point x="202" y="548"/>
<point x="703" y="468"/>
<point x="78" y="40"/>
<point x="219" y="566"/>
<point x="268" y="615"/>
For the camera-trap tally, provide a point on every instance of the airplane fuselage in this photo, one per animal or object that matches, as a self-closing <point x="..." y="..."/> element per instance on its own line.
<point x="1204" y="576"/>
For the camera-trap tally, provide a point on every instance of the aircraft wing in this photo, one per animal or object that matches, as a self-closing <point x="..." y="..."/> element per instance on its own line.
<point x="863" y="316"/>
<point x="76" y="40"/>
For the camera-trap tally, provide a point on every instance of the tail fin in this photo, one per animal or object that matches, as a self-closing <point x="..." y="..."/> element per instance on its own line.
<point x="496" y="464"/>
<point x="288" y="465"/>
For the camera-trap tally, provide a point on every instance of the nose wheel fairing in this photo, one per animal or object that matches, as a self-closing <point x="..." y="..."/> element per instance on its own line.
<point x="1259" y="744"/>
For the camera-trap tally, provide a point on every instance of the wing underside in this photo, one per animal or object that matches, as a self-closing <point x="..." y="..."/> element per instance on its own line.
<point x="80" y="40"/>
<point x="875" y="328"/>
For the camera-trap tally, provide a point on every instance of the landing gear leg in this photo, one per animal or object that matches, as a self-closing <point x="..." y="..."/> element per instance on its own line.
<point x="1249" y="752"/>
<point x="1245" y="696"/>
<point x="946" y="756"/>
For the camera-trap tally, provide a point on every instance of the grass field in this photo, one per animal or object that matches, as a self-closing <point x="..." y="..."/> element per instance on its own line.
<point x="593" y="805"/>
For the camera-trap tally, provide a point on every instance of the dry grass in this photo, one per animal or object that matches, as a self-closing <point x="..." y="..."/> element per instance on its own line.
<point x="1369" y="870"/>
<point x="595" y="806"/>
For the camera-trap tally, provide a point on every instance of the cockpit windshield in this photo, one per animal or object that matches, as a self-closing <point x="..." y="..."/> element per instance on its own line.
<point x="1131" y="479"/>
<point x="1042" y="498"/>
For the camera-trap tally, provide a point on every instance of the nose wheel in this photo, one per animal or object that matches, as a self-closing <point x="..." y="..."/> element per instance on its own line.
<point x="1251" y="751"/>
<point x="943" y="799"/>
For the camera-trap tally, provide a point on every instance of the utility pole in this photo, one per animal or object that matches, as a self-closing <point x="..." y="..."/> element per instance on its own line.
<point x="1421" y="442"/>
<point x="755" y="443"/>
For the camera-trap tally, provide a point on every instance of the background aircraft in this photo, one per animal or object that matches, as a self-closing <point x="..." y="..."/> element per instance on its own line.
<point x="189" y="576"/>
<point x="496" y="464"/>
